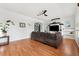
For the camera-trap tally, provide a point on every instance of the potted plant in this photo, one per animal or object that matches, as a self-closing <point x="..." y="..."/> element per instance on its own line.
<point x="4" y="26"/>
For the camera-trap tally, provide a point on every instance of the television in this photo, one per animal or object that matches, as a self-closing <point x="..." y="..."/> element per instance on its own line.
<point x="54" y="28"/>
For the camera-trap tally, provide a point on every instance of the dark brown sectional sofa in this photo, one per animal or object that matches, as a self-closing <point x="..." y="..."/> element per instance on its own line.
<point x="54" y="39"/>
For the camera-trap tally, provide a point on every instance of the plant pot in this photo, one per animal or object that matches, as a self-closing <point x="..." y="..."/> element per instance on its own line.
<point x="3" y="33"/>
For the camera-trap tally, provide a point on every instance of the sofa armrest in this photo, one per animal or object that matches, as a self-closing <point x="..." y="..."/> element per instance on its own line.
<point x="59" y="38"/>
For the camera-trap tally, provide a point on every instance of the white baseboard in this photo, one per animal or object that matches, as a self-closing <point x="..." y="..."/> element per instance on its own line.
<point x="19" y="39"/>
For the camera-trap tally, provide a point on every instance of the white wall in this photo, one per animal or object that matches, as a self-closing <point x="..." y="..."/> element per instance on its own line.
<point x="32" y="9"/>
<point x="19" y="12"/>
<point x="16" y="32"/>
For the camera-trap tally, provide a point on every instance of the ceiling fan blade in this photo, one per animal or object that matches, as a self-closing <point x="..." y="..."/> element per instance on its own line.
<point x="42" y="12"/>
<point x="39" y="14"/>
<point x="55" y="19"/>
<point x="45" y="15"/>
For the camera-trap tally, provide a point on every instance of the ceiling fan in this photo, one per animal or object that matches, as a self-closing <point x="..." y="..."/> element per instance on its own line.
<point x="43" y="12"/>
<point x="55" y="19"/>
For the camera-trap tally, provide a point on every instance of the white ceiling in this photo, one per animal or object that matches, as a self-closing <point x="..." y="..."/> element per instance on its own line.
<point x="32" y="9"/>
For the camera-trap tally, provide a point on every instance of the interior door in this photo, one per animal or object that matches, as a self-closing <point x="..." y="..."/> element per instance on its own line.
<point x="37" y="27"/>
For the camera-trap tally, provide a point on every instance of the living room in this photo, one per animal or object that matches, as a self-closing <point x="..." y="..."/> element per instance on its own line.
<point x="27" y="20"/>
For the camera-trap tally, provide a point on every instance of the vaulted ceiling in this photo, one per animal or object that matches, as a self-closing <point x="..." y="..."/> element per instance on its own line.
<point x="32" y="9"/>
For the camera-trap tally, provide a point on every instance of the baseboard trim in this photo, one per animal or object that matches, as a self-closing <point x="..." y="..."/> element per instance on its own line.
<point x="18" y="39"/>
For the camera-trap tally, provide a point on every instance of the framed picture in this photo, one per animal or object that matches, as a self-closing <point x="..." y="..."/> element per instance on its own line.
<point x="22" y="25"/>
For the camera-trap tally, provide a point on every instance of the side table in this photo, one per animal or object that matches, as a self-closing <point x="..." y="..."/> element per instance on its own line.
<point x="4" y="40"/>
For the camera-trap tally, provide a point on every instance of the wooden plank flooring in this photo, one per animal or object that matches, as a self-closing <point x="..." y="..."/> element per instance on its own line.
<point x="29" y="47"/>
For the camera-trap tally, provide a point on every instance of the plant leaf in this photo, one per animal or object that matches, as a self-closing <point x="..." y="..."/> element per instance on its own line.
<point x="8" y="24"/>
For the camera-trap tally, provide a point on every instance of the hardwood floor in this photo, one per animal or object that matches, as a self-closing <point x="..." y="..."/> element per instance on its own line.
<point x="29" y="47"/>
